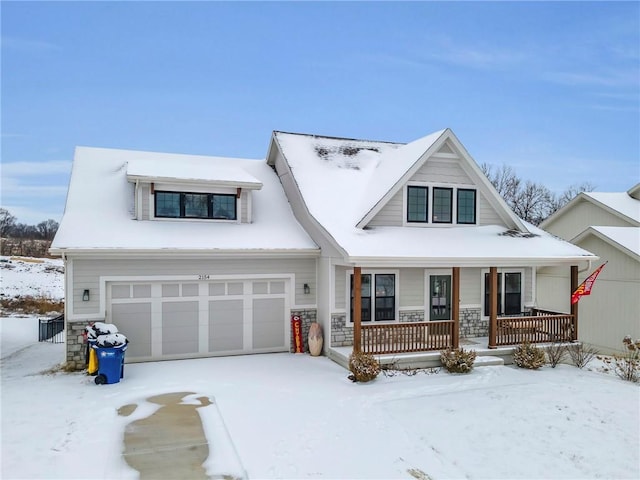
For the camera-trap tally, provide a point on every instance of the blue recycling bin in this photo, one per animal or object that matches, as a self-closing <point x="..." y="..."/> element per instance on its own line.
<point x="110" y="363"/>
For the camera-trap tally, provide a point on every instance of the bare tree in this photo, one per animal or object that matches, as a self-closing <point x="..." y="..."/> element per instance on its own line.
<point x="47" y="229"/>
<point x="533" y="202"/>
<point x="7" y="221"/>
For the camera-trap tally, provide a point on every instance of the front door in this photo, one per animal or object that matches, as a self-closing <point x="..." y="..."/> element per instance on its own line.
<point x="440" y="297"/>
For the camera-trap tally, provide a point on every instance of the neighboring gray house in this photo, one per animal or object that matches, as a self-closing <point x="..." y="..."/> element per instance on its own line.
<point x="608" y="224"/>
<point x="200" y="256"/>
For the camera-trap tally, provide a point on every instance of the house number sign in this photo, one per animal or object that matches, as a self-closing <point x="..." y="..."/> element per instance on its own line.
<point x="203" y="277"/>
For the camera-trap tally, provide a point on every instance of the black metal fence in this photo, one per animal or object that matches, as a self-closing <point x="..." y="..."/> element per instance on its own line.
<point x="52" y="330"/>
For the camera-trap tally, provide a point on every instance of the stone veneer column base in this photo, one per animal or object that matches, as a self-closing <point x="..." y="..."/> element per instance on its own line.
<point x="76" y="346"/>
<point x="307" y="317"/>
<point x="472" y="324"/>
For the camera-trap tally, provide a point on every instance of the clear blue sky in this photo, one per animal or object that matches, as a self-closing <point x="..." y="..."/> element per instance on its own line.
<point x="551" y="89"/>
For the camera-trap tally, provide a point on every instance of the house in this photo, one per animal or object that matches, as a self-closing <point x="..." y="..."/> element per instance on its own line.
<point x="199" y="256"/>
<point x="608" y="224"/>
<point x="187" y="255"/>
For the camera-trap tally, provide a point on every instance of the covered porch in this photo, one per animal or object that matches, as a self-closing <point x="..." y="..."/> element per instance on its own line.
<point x="535" y="325"/>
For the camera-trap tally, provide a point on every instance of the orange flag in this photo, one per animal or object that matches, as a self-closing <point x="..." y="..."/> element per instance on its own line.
<point x="585" y="287"/>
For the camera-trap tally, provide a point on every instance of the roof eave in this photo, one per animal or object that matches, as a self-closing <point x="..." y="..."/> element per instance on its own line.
<point x="469" y="262"/>
<point x="145" y="252"/>
<point x="195" y="181"/>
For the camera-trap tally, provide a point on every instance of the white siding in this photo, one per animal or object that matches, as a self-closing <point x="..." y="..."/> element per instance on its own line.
<point x="145" y="196"/>
<point x="411" y="286"/>
<point x="582" y="215"/>
<point x="391" y="215"/>
<point x="612" y="309"/>
<point x="441" y="172"/>
<point x="244" y="206"/>
<point x="86" y="274"/>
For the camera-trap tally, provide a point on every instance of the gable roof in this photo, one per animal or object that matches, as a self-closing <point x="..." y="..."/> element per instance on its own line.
<point x="626" y="239"/>
<point x="338" y="182"/>
<point x="395" y="168"/>
<point x="98" y="214"/>
<point x="619" y="204"/>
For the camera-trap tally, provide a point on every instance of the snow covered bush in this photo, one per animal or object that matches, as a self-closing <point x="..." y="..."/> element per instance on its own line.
<point x="580" y="354"/>
<point x="528" y="356"/>
<point x="626" y="366"/>
<point x="363" y="366"/>
<point x="458" y="360"/>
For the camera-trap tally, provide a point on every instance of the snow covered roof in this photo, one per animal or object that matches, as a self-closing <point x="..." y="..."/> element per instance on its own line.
<point x="339" y="179"/>
<point x="216" y="171"/>
<point x="621" y="202"/>
<point x="99" y="209"/>
<point x="626" y="237"/>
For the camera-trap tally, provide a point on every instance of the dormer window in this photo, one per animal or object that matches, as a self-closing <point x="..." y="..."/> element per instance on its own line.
<point x="195" y="205"/>
<point x="427" y="204"/>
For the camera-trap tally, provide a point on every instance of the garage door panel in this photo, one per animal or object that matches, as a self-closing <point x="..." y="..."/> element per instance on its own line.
<point x="179" y="328"/>
<point x="268" y="323"/>
<point x="226" y="328"/>
<point x="134" y="321"/>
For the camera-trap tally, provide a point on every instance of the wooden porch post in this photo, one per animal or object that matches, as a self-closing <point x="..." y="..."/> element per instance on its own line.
<point x="574" y="306"/>
<point x="357" y="310"/>
<point x="493" y="306"/>
<point x="455" y="307"/>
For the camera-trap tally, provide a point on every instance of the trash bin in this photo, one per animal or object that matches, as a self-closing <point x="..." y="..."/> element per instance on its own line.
<point x="92" y="332"/>
<point x="109" y="351"/>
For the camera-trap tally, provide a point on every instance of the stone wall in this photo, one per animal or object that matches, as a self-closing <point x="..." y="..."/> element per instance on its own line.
<point x="307" y="317"/>
<point x="341" y="333"/>
<point x="76" y="345"/>
<point x="472" y="324"/>
<point x="412" y="316"/>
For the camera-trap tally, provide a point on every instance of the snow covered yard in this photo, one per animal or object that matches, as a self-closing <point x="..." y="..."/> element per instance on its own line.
<point x="296" y="416"/>
<point x="36" y="277"/>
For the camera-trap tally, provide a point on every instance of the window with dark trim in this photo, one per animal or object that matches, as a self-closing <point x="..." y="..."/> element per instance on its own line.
<point x="383" y="294"/>
<point x="195" y="205"/>
<point x="511" y="302"/>
<point x="417" y="202"/>
<point x="466" y="206"/>
<point x="442" y="205"/>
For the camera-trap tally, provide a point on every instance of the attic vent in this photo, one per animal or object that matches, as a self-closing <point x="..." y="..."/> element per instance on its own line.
<point x="517" y="234"/>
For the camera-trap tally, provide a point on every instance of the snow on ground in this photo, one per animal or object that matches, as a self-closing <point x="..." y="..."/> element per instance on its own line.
<point x="296" y="416"/>
<point x="37" y="277"/>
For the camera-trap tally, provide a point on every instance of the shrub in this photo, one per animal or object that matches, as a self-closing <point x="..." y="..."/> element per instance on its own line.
<point x="363" y="366"/>
<point x="30" y="305"/>
<point x="580" y="354"/>
<point x="458" y="360"/>
<point x="626" y="366"/>
<point x="555" y="353"/>
<point x="528" y="356"/>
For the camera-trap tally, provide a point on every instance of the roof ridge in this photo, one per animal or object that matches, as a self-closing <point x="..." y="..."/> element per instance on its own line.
<point x="329" y="137"/>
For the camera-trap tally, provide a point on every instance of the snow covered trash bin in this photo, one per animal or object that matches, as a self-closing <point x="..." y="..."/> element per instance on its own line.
<point x="110" y="351"/>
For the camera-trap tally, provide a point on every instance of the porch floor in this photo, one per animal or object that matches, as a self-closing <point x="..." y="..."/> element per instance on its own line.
<point x="485" y="356"/>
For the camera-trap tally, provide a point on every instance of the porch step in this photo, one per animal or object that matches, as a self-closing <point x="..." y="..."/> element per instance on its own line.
<point x="488" y="360"/>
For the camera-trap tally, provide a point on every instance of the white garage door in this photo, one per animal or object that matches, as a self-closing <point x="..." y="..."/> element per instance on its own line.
<point x="172" y="320"/>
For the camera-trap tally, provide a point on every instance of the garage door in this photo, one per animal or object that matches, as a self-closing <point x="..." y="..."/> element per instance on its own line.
<point x="172" y="320"/>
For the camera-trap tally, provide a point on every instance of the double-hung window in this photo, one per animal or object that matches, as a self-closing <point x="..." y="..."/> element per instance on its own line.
<point x="378" y="297"/>
<point x="442" y="205"/>
<point x="417" y="203"/>
<point x="466" y="206"/>
<point x="509" y="293"/>
<point x="195" y="205"/>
